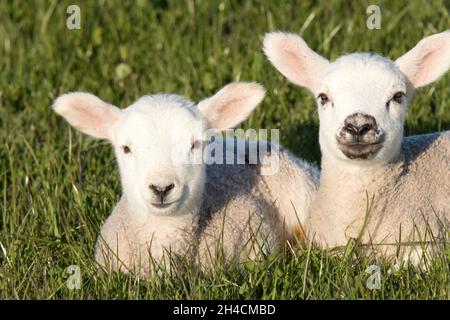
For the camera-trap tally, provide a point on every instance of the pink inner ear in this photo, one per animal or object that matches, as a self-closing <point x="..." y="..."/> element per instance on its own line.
<point x="102" y="120"/>
<point x="424" y="70"/>
<point x="295" y="60"/>
<point x="91" y="117"/>
<point x="427" y="61"/>
<point x="231" y="114"/>
<point x="295" y="65"/>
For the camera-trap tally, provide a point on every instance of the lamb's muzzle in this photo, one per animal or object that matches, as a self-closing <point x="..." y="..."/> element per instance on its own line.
<point x="360" y="137"/>
<point x="161" y="193"/>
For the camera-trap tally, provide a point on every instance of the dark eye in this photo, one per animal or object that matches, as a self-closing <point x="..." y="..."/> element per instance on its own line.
<point x="398" y="97"/>
<point x="323" y="98"/>
<point x="126" y="149"/>
<point x="195" y="145"/>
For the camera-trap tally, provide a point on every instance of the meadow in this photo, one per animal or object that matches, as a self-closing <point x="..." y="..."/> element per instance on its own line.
<point x="57" y="186"/>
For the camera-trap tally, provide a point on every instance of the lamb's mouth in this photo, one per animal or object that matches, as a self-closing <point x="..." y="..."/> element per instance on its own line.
<point x="360" y="150"/>
<point x="162" y="205"/>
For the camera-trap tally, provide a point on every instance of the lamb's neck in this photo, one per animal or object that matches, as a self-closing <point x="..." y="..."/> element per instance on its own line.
<point x="350" y="178"/>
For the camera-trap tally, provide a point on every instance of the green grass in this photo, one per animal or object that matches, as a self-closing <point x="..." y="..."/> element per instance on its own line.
<point x="57" y="186"/>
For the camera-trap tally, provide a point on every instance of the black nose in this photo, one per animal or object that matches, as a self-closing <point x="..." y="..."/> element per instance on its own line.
<point x="161" y="192"/>
<point x="359" y="124"/>
<point x="358" y="130"/>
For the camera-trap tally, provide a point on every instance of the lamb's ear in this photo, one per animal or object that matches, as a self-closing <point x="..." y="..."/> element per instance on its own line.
<point x="291" y="55"/>
<point x="427" y="61"/>
<point x="87" y="113"/>
<point x="231" y="105"/>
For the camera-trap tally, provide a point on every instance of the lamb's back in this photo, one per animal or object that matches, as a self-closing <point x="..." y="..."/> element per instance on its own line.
<point x="414" y="201"/>
<point x="424" y="181"/>
<point x="237" y="220"/>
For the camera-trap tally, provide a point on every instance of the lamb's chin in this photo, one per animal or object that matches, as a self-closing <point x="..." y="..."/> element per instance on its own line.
<point x="176" y="208"/>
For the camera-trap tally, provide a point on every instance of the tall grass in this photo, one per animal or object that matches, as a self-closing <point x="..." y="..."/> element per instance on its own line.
<point x="57" y="186"/>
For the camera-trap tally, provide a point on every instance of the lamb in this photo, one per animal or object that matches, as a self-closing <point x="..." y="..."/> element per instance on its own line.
<point x="173" y="205"/>
<point x="389" y="192"/>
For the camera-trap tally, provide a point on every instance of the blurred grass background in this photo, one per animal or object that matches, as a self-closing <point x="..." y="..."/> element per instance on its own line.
<point x="57" y="186"/>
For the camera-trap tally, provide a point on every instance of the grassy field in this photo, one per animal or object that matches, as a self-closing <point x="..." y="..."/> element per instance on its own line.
<point x="57" y="186"/>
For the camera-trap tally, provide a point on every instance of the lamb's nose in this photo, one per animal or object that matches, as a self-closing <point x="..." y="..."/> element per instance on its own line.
<point x="357" y="130"/>
<point x="161" y="192"/>
<point x="359" y="124"/>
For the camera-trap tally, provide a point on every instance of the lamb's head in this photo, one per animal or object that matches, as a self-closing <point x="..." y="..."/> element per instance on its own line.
<point x="362" y="97"/>
<point x="158" y="141"/>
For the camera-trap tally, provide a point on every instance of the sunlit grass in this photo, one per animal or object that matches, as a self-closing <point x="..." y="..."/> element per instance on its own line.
<point x="57" y="186"/>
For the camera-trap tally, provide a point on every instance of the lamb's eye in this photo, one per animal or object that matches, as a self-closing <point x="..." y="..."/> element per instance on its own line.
<point x="323" y="98"/>
<point x="195" y="145"/>
<point x="398" y="97"/>
<point x="126" y="149"/>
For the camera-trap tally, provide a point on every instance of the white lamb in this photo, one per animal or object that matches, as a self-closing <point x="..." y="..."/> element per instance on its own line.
<point x="174" y="205"/>
<point x="375" y="185"/>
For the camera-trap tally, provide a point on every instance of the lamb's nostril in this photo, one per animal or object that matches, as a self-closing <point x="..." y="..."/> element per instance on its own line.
<point x="155" y="189"/>
<point x="362" y="130"/>
<point x="169" y="187"/>
<point x="350" y="128"/>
